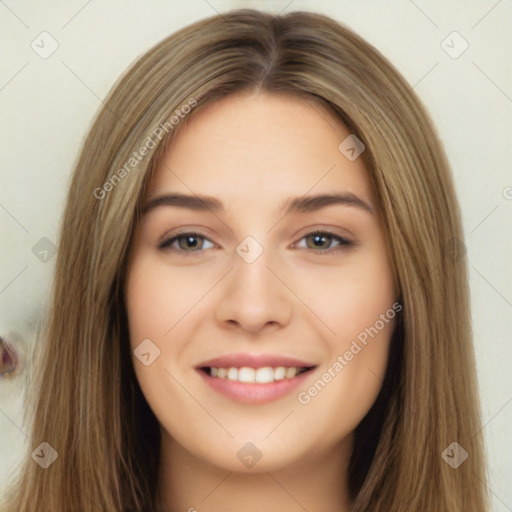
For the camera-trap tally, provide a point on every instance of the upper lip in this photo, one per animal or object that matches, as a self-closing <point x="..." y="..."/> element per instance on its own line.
<point x="240" y="360"/>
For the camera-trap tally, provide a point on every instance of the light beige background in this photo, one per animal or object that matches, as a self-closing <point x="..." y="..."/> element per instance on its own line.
<point x="48" y="103"/>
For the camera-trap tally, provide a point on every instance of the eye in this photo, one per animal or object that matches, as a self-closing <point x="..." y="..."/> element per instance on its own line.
<point x="186" y="242"/>
<point x="322" y="241"/>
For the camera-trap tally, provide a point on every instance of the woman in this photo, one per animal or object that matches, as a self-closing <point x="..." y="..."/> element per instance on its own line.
<point x="261" y="296"/>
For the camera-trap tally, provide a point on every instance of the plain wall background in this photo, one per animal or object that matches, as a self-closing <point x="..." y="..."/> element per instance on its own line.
<point x="47" y="106"/>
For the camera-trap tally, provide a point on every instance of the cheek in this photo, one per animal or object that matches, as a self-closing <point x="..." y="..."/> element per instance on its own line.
<point x="156" y="300"/>
<point x="352" y="298"/>
<point x="357" y="305"/>
<point x="151" y="300"/>
<point x="347" y="385"/>
<point x="164" y="306"/>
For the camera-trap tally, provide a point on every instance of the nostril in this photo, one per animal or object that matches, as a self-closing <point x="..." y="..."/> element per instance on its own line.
<point x="8" y="358"/>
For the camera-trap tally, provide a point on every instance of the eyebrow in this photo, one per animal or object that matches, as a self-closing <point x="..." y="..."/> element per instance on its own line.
<point x="301" y="204"/>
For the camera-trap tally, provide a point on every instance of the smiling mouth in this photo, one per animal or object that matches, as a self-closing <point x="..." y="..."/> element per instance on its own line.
<point x="263" y="375"/>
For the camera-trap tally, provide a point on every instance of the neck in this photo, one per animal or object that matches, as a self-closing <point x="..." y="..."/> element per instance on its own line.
<point x="189" y="484"/>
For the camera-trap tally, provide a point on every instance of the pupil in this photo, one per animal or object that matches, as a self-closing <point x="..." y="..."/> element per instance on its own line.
<point x="191" y="242"/>
<point x="317" y="240"/>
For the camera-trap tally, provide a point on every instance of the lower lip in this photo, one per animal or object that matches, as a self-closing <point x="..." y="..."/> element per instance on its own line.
<point x="254" y="393"/>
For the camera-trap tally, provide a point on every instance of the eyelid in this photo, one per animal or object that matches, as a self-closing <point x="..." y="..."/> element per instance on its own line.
<point x="167" y="240"/>
<point x="344" y="243"/>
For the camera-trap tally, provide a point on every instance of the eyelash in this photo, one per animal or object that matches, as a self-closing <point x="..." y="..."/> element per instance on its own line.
<point x="344" y="243"/>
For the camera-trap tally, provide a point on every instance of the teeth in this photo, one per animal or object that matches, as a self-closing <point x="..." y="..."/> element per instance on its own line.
<point x="233" y="374"/>
<point x="246" y="374"/>
<point x="256" y="375"/>
<point x="279" y="373"/>
<point x="291" y="372"/>
<point x="264" y="375"/>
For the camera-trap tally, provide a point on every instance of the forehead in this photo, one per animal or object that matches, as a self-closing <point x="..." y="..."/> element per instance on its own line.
<point x="259" y="147"/>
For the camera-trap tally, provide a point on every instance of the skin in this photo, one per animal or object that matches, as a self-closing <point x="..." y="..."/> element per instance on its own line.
<point x="298" y="299"/>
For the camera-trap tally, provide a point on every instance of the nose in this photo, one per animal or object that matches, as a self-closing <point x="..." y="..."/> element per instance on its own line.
<point x="254" y="296"/>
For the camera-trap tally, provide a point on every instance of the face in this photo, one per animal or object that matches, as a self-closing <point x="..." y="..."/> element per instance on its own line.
<point x="260" y="317"/>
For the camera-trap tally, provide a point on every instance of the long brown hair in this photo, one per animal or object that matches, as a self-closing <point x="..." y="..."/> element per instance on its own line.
<point x="85" y="399"/>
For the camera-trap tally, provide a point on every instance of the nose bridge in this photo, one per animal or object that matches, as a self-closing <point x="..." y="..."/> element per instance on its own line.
<point x="253" y="295"/>
<point x="252" y="270"/>
<point x="253" y="283"/>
